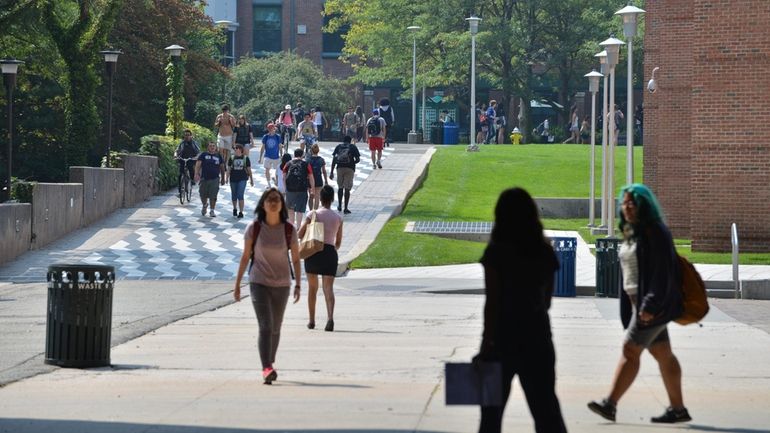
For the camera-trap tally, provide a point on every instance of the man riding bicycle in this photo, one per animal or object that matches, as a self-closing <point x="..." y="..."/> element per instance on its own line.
<point x="306" y="133"/>
<point x="287" y="124"/>
<point x="188" y="149"/>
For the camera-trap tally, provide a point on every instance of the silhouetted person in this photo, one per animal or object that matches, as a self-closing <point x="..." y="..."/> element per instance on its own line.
<point x="519" y="265"/>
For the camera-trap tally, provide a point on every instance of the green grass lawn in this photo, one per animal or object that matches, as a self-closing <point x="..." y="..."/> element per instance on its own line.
<point x="464" y="186"/>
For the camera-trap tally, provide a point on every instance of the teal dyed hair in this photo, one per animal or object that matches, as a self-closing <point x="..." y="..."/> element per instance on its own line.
<point x="647" y="207"/>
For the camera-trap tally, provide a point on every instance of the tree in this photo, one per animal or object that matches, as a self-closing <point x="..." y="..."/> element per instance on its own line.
<point x="261" y="87"/>
<point x="79" y="30"/>
<point x="516" y="37"/>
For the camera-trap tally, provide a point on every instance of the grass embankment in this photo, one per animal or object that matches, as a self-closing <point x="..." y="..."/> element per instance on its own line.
<point x="463" y="186"/>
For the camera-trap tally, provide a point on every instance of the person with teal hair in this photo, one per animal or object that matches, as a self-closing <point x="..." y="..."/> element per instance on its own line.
<point x="650" y="298"/>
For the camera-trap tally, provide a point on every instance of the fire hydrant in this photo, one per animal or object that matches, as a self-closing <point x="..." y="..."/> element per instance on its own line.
<point x="516" y="136"/>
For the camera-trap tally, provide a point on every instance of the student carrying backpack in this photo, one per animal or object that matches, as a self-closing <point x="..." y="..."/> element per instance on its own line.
<point x="373" y="127"/>
<point x="296" y="176"/>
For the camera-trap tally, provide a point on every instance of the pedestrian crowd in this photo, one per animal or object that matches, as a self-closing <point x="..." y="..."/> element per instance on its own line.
<point x="296" y="204"/>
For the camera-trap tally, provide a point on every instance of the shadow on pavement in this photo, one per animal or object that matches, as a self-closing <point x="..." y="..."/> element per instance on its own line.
<point x="26" y="425"/>
<point x="709" y="428"/>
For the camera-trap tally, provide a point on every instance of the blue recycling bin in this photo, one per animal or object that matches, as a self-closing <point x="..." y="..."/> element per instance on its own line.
<point x="451" y="133"/>
<point x="564" y="278"/>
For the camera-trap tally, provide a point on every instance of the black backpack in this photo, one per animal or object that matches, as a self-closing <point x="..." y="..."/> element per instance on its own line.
<point x="296" y="176"/>
<point x="387" y="115"/>
<point x="343" y="155"/>
<point x="373" y="127"/>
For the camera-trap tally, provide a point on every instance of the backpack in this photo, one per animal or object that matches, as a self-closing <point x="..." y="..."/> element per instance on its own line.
<point x="386" y="115"/>
<point x="482" y="118"/>
<point x="256" y="227"/>
<point x="296" y="176"/>
<point x="373" y="127"/>
<point x="694" y="298"/>
<point x="343" y="155"/>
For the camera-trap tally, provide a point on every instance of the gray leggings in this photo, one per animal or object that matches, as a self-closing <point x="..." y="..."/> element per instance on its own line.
<point x="269" y="305"/>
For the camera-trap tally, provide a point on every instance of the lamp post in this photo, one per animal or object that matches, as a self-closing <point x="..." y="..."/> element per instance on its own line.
<point x="110" y="61"/>
<point x="413" y="136"/>
<point x="630" y="14"/>
<point x="602" y="56"/>
<point x="593" y="87"/>
<point x="176" y="89"/>
<point x="473" y="21"/>
<point x="225" y="25"/>
<point x="10" y="68"/>
<point x="612" y="46"/>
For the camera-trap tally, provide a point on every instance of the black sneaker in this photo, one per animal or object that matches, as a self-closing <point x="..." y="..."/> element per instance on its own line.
<point x="672" y="415"/>
<point x="240" y="214"/>
<point x="347" y="211"/>
<point x="235" y="212"/>
<point x="339" y="208"/>
<point x="604" y="408"/>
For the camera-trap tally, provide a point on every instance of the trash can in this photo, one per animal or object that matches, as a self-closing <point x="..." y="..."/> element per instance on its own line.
<point x="607" y="267"/>
<point x="564" y="278"/>
<point x="451" y="133"/>
<point x="79" y="320"/>
<point x="437" y="133"/>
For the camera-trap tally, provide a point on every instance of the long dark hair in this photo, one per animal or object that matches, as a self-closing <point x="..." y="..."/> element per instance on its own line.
<point x="517" y="220"/>
<point x="260" y="210"/>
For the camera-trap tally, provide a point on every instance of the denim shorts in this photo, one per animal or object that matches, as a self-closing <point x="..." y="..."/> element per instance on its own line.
<point x="296" y="201"/>
<point x="237" y="189"/>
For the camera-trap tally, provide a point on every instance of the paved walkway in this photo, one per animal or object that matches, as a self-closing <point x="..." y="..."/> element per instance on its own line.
<point x="382" y="371"/>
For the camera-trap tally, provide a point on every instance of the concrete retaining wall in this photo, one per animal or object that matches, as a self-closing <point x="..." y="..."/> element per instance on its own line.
<point x="15" y="229"/>
<point x="57" y="209"/>
<point x="139" y="183"/>
<point x="567" y="207"/>
<point x="102" y="191"/>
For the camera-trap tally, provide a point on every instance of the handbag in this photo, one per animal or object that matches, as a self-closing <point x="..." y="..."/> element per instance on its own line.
<point x="313" y="240"/>
<point x="479" y="384"/>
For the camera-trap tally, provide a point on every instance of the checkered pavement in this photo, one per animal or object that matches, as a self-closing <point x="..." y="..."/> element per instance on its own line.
<point x="183" y="244"/>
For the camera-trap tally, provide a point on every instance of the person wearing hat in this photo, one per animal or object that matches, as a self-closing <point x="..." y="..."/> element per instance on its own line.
<point x="374" y="134"/>
<point x="287" y="123"/>
<point x="271" y="146"/>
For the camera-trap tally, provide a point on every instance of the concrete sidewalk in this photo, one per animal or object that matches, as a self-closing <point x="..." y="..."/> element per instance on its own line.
<point x="382" y="371"/>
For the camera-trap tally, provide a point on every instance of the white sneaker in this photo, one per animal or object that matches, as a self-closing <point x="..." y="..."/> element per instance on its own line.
<point x="212" y="214"/>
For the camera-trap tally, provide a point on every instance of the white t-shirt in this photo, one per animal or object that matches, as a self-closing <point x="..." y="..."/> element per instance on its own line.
<point x="630" y="267"/>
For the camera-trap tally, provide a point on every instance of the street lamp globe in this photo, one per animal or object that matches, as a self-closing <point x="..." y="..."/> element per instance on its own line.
<point x="593" y="81"/>
<point x="174" y="50"/>
<point x="612" y="46"/>
<point x="110" y="56"/>
<point x="474" y="23"/>
<point x="602" y="56"/>
<point x="629" y="15"/>
<point x="10" y="66"/>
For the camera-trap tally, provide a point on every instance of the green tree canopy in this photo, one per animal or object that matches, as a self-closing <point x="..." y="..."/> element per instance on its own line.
<point x="261" y="87"/>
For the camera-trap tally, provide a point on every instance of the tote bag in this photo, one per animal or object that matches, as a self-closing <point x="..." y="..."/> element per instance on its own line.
<point x="313" y="240"/>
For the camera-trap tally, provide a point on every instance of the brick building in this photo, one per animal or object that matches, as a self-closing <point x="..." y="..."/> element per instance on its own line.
<point x="707" y="134"/>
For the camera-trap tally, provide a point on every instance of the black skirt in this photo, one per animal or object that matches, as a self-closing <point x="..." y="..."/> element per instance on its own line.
<point x="323" y="262"/>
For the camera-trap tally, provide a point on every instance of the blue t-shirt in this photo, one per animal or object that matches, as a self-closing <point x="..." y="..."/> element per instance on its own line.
<point x="210" y="163"/>
<point x="272" y="145"/>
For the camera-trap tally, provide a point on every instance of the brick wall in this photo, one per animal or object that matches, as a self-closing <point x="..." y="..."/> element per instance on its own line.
<point x="707" y="133"/>
<point x="667" y="114"/>
<point x="244" y="41"/>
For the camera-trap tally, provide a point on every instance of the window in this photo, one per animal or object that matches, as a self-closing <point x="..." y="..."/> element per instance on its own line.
<point x="267" y="29"/>
<point x="333" y="42"/>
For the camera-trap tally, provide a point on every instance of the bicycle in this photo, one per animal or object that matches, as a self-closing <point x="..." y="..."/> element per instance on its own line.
<point x="285" y="138"/>
<point x="185" y="187"/>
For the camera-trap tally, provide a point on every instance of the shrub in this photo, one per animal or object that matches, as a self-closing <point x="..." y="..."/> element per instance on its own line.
<point x="21" y="191"/>
<point x="163" y="147"/>
<point x="201" y="134"/>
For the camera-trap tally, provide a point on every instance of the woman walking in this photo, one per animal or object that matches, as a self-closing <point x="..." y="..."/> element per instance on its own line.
<point x="266" y="242"/>
<point x="361" y="122"/>
<point x="649" y="300"/>
<point x="244" y="135"/>
<point x="240" y="171"/>
<point x="320" y="177"/>
<point x="324" y="262"/>
<point x="519" y="264"/>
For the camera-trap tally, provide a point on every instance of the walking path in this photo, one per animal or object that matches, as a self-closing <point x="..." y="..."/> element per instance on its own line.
<point x="197" y="370"/>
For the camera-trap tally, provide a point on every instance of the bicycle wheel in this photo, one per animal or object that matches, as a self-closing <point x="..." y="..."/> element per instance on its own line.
<point x="189" y="190"/>
<point x="183" y="189"/>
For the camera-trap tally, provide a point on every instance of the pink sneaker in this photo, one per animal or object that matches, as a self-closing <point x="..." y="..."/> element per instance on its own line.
<point x="269" y="375"/>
